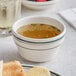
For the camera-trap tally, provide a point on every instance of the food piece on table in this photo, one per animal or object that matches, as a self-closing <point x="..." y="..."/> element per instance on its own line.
<point x="13" y="68"/>
<point x="1" y="67"/>
<point x="38" y="71"/>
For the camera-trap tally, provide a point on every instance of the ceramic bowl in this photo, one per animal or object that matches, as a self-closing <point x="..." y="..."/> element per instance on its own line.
<point x="38" y="5"/>
<point x="38" y="50"/>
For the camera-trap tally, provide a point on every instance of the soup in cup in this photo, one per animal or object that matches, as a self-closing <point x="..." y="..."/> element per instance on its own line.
<point x="38" y="38"/>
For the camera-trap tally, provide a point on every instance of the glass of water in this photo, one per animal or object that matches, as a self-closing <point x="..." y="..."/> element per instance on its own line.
<point x="10" y="11"/>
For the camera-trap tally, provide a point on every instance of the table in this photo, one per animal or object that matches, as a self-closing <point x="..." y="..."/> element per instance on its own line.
<point x="65" y="62"/>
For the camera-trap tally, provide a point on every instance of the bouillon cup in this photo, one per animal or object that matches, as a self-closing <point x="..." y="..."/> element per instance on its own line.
<point x="38" y="50"/>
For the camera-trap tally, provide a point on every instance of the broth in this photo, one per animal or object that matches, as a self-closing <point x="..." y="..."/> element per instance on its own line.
<point x="39" y="31"/>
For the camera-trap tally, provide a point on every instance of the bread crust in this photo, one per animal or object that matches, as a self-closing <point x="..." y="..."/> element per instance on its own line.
<point x="13" y="68"/>
<point x="38" y="71"/>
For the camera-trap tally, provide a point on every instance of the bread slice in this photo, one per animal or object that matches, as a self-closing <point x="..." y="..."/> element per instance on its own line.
<point x="1" y="67"/>
<point x="13" y="68"/>
<point x="38" y="71"/>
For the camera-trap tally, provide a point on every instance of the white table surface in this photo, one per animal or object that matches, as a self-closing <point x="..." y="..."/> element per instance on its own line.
<point x="65" y="62"/>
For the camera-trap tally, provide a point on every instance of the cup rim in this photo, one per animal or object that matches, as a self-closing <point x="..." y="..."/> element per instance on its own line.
<point x="58" y="37"/>
<point x="41" y="3"/>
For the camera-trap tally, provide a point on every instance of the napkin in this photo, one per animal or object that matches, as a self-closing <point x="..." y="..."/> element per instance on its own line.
<point x="69" y="16"/>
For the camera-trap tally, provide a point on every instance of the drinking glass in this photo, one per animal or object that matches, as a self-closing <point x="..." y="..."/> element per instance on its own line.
<point x="10" y="11"/>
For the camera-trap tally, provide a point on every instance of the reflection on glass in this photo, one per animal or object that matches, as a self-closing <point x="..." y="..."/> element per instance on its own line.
<point x="10" y="11"/>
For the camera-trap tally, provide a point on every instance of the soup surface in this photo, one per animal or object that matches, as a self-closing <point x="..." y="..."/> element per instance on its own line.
<point x="38" y="31"/>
